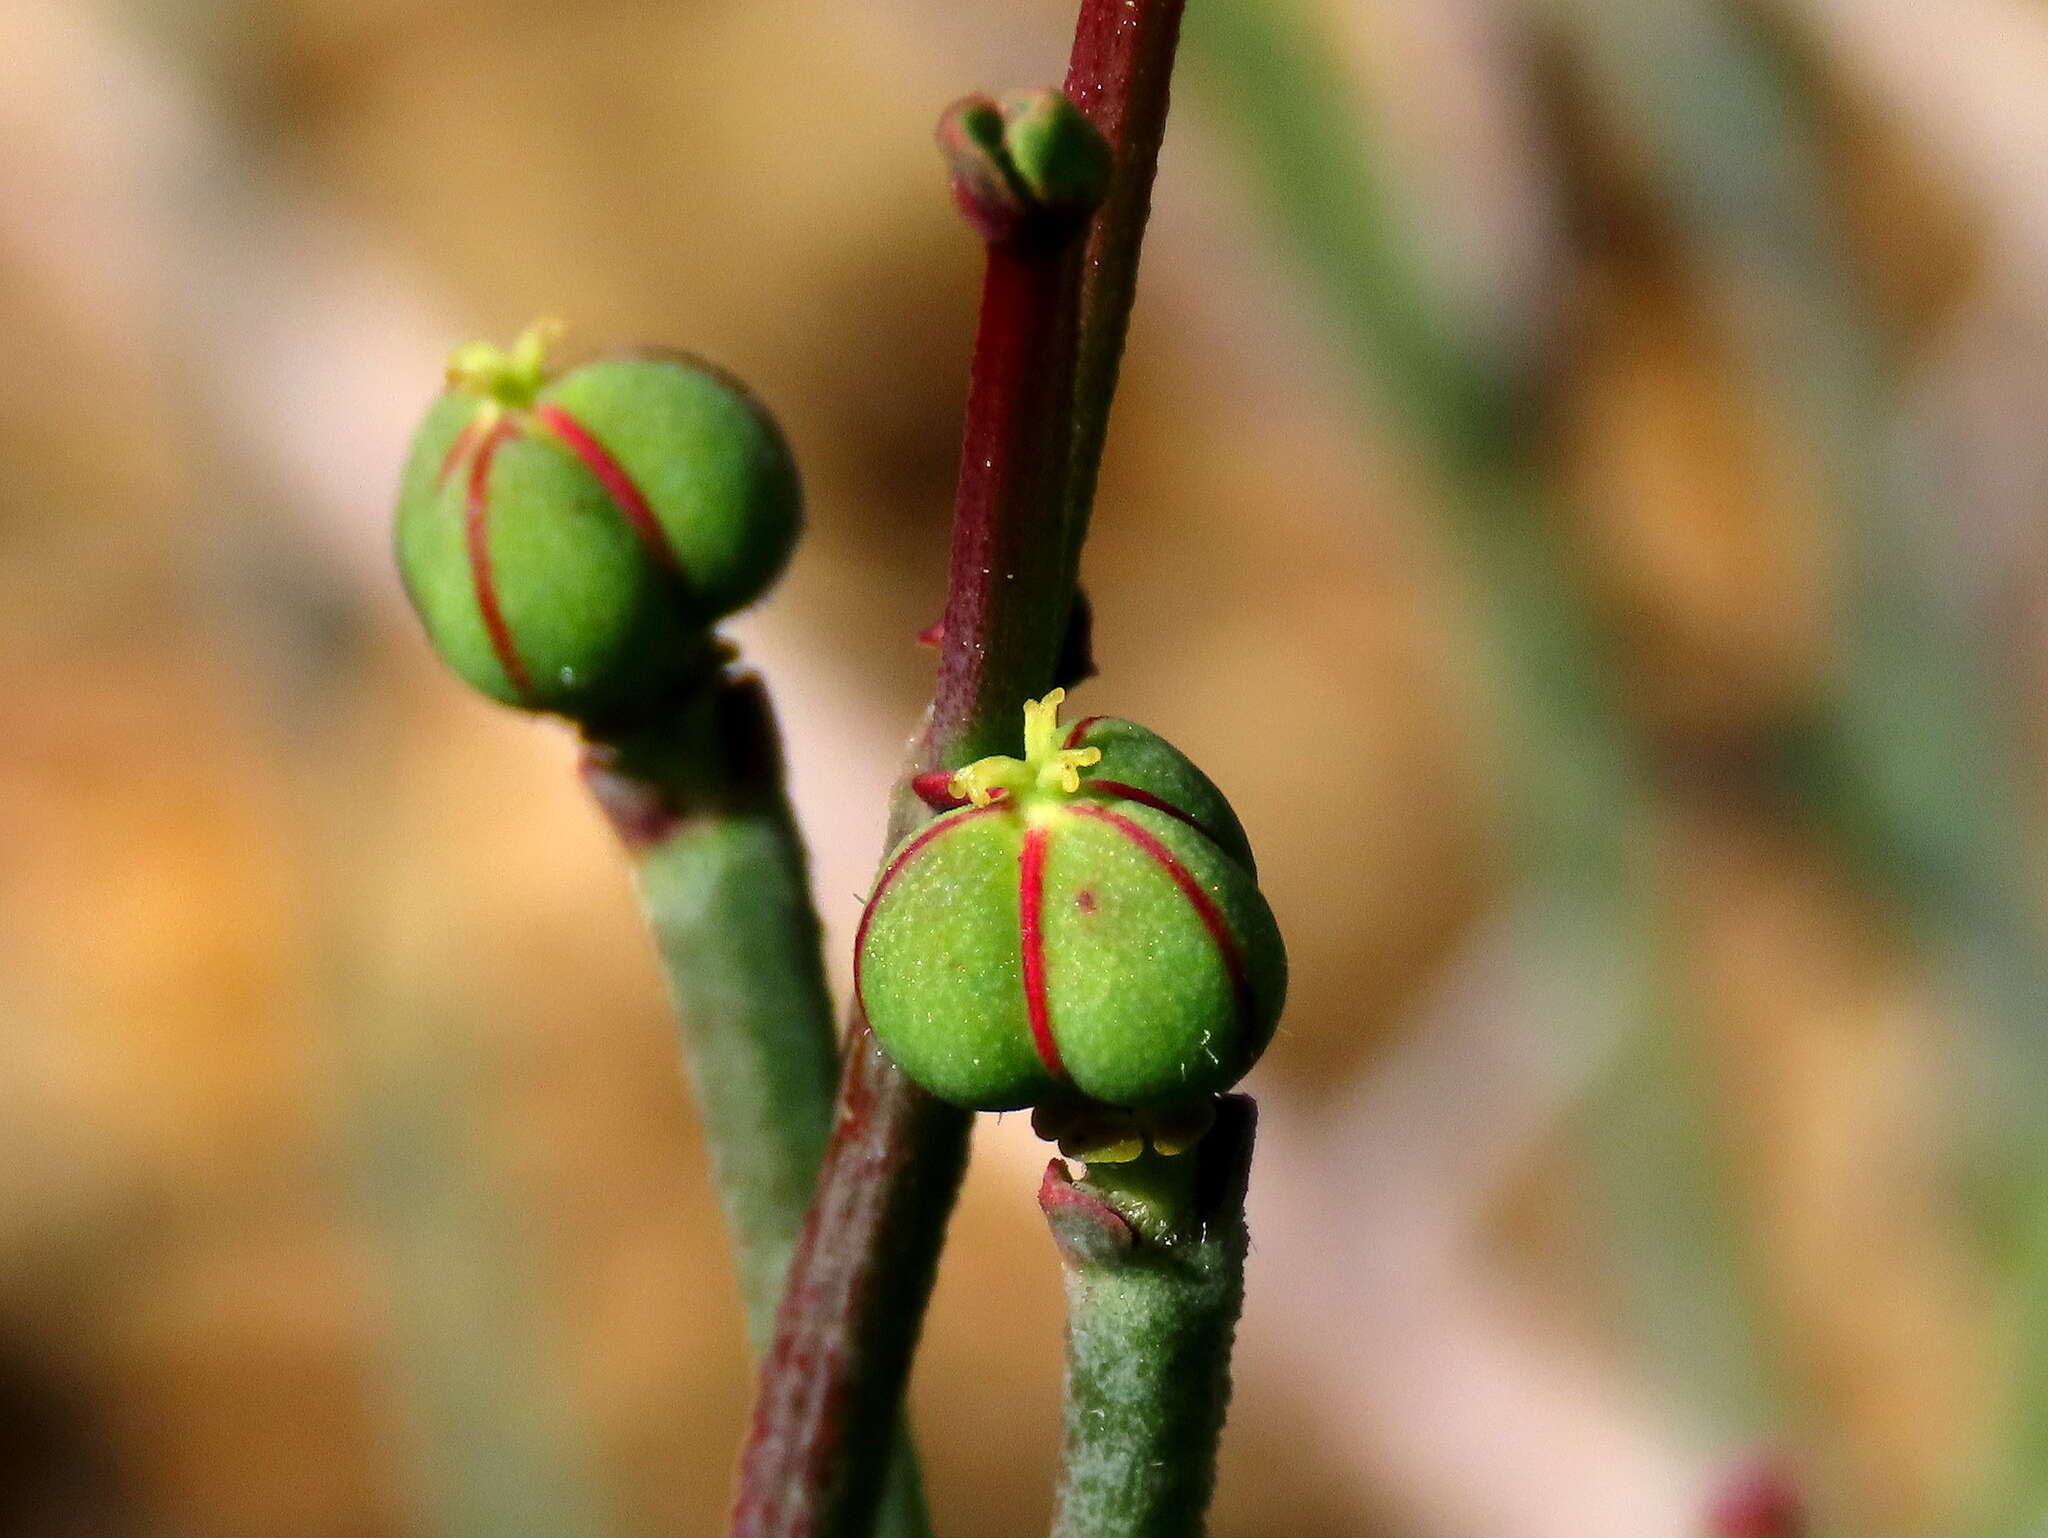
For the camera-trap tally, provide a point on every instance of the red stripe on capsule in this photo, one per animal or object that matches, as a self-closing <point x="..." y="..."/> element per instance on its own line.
<point x="1031" y="940"/>
<point x="612" y="476"/>
<point x="1197" y="896"/>
<point x="464" y="441"/>
<point x="1123" y="792"/>
<point x="477" y="535"/>
<point x="888" y="877"/>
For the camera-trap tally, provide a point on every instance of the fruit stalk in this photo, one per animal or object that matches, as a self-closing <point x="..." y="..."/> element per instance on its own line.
<point x="864" y="1265"/>
<point x="1153" y="1255"/>
<point x="698" y="802"/>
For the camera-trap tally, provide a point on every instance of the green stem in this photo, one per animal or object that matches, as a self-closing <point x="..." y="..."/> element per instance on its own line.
<point x="495" y="1449"/>
<point x="2013" y="1500"/>
<point x="698" y="800"/>
<point x="1153" y="1256"/>
<point x="1282" y="100"/>
<point x="1579" y="816"/>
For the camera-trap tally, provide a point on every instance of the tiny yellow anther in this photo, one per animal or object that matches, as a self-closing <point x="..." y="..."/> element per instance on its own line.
<point x="530" y="353"/>
<point x="982" y="781"/>
<point x="1045" y="769"/>
<point x="1064" y="768"/>
<point x="510" y="375"/>
<point x="1042" y="726"/>
<point x="1177" y="1129"/>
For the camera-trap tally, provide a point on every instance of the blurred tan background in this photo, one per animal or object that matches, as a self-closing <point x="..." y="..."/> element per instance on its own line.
<point x="344" y="1161"/>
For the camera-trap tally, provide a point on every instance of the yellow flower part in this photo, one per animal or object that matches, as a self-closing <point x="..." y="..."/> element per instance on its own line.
<point x="511" y="376"/>
<point x="1046" y="770"/>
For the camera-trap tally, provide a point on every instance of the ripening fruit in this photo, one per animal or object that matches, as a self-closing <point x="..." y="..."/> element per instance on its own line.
<point x="568" y="542"/>
<point x="1062" y="937"/>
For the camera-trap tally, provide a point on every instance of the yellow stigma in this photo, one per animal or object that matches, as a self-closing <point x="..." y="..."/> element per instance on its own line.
<point x="1046" y="769"/>
<point x="513" y="375"/>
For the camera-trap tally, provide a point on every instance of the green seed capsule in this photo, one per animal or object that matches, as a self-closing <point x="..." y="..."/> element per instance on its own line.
<point x="568" y="542"/>
<point x="1056" y="940"/>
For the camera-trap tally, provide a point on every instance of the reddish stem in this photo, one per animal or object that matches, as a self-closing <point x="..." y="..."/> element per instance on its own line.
<point x="1760" y="1499"/>
<point x="1006" y="601"/>
<point x="1120" y="77"/>
<point x="832" y="1382"/>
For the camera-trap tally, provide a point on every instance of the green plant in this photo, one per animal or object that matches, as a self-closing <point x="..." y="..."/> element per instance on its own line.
<point x="569" y="542"/>
<point x="838" y="1173"/>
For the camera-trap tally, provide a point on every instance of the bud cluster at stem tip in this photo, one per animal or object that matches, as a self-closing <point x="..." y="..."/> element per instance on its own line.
<point x="1027" y="164"/>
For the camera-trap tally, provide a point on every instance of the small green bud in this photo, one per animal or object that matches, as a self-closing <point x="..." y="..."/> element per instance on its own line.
<point x="1030" y="163"/>
<point x="568" y="542"/>
<point x="1058" y="939"/>
<point x="1058" y="155"/>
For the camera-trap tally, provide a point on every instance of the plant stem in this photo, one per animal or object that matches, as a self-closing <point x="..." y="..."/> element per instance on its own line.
<point x="488" y="1430"/>
<point x="1007" y="593"/>
<point x="832" y="1383"/>
<point x="864" y="1265"/>
<point x="1120" y="77"/>
<point x="1153" y="1254"/>
<point x="698" y="801"/>
<point x="833" y="1377"/>
<point x="1907" y="760"/>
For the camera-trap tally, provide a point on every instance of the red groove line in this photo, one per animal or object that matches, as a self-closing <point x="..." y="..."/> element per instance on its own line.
<point x="1123" y="792"/>
<point x="1126" y="792"/>
<point x="476" y="529"/>
<point x="883" y="882"/>
<point x="1203" y="904"/>
<point x="612" y="476"/>
<point x="464" y="440"/>
<point x="1031" y="942"/>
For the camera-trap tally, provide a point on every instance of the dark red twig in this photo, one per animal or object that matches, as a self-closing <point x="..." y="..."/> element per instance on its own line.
<point x="832" y="1382"/>
<point x="1007" y="599"/>
<point x="1120" y="77"/>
